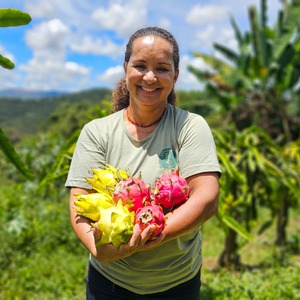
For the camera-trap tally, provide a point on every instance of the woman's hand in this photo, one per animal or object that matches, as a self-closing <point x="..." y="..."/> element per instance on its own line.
<point x="138" y="242"/>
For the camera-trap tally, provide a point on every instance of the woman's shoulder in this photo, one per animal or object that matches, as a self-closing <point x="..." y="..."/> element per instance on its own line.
<point x="184" y="116"/>
<point x="109" y="120"/>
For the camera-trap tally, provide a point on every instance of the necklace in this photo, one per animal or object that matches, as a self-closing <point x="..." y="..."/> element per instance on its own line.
<point x="140" y="125"/>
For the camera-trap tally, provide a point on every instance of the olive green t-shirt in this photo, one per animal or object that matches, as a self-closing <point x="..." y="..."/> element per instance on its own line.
<point x="181" y="139"/>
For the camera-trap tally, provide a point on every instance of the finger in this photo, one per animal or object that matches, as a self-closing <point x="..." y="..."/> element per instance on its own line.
<point x="136" y="236"/>
<point x="153" y="243"/>
<point x="97" y="233"/>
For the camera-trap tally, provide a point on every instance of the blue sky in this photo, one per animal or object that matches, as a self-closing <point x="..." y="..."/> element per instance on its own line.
<point x="71" y="45"/>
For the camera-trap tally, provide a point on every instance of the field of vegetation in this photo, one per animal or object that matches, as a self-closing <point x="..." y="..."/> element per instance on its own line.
<point x="43" y="259"/>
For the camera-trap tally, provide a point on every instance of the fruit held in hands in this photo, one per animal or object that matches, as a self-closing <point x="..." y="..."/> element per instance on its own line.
<point x="106" y="179"/>
<point x="132" y="191"/>
<point x="170" y="189"/>
<point x="88" y="205"/>
<point x="151" y="215"/>
<point x="116" y="224"/>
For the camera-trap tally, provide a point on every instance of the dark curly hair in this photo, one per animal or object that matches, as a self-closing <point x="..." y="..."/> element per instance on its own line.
<point x="120" y="96"/>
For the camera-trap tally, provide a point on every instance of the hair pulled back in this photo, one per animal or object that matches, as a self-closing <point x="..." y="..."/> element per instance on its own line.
<point x="120" y="96"/>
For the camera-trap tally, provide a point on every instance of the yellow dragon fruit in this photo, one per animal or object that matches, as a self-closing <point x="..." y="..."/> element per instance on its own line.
<point x="105" y="179"/>
<point x="88" y="205"/>
<point x="116" y="223"/>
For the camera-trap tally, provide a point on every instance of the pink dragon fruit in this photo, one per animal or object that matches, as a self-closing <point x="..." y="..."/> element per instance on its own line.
<point x="133" y="191"/>
<point x="151" y="215"/>
<point x="170" y="189"/>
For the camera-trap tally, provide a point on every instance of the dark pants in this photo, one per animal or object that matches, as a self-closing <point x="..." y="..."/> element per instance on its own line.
<point x="100" y="288"/>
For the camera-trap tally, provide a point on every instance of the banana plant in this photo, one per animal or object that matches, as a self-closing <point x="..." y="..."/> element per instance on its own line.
<point x="12" y="17"/>
<point x="262" y="77"/>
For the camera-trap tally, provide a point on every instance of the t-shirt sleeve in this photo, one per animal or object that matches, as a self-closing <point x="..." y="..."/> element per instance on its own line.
<point x="197" y="150"/>
<point x="89" y="154"/>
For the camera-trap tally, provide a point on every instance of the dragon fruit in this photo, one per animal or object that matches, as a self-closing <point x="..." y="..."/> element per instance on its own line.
<point x="151" y="215"/>
<point x="132" y="191"/>
<point x="170" y="189"/>
<point x="105" y="179"/>
<point x="116" y="223"/>
<point x="88" y="205"/>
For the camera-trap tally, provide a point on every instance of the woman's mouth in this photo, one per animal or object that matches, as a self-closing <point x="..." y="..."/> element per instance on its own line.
<point x="148" y="89"/>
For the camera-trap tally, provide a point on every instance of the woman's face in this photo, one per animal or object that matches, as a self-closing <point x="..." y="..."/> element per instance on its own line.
<point x="150" y="72"/>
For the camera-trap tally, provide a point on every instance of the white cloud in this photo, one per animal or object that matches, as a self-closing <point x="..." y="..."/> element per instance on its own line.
<point x="203" y="14"/>
<point x="49" y="68"/>
<point x="88" y="45"/>
<point x="186" y="80"/>
<point x="40" y="9"/>
<point x="48" y="36"/>
<point x="212" y="34"/>
<point x="123" y="17"/>
<point x="111" y="76"/>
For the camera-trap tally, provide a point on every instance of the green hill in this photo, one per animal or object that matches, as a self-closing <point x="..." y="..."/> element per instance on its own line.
<point x="19" y="117"/>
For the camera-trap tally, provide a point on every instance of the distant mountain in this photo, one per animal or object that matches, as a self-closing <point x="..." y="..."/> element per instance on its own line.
<point x="25" y="94"/>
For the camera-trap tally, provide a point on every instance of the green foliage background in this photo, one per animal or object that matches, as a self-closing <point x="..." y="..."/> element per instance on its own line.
<point x="41" y="255"/>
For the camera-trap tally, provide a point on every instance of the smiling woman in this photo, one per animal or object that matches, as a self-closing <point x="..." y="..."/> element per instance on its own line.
<point x="147" y="134"/>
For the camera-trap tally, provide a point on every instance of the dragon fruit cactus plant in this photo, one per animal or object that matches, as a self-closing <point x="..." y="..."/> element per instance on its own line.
<point x="170" y="189"/>
<point x="151" y="215"/>
<point x="132" y="191"/>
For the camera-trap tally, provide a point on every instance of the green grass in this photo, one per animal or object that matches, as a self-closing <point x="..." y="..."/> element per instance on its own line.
<point x="267" y="272"/>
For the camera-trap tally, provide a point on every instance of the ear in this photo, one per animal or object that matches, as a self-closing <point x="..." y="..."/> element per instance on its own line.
<point x="176" y="76"/>
<point x="125" y="66"/>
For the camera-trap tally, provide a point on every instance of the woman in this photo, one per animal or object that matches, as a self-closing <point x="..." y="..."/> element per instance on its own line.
<point x="146" y="133"/>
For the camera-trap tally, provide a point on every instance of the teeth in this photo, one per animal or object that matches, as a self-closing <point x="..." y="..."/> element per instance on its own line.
<point x="148" y="90"/>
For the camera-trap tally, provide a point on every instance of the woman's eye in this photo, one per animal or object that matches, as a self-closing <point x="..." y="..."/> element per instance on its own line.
<point x="162" y="70"/>
<point x="140" y="67"/>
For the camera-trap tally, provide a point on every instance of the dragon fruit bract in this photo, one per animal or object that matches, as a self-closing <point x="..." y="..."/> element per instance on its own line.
<point x="151" y="215"/>
<point x="133" y="191"/>
<point x="88" y="205"/>
<point x="116" y="223"/>
<point x="170" y="189"/>
<point x="106" y="179"/>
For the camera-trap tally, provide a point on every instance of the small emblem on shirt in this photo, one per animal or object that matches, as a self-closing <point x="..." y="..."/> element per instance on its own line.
<point x="167" y="159"/>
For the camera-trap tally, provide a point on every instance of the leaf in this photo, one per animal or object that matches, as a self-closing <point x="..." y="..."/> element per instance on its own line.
<point x="13" y="17"/>
<point x="230" y="168"/>
<point x="227" y="52"/>
<point x="236" y="226"/>
<point x="238" y="34"/>
<point x="9" y="151"/>
<point x="6" y="63"/>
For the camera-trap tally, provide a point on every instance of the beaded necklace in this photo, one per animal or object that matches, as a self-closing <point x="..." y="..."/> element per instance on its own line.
<point x="140" y="125"/>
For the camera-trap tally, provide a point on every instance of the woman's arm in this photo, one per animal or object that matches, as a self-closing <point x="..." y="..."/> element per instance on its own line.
<point x="201" y="205"/>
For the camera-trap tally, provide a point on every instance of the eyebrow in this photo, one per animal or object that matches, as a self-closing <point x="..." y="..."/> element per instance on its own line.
<point x="144" y="61"/>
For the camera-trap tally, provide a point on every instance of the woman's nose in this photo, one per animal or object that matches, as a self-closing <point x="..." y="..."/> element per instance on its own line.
<point x="150" y="76"/>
